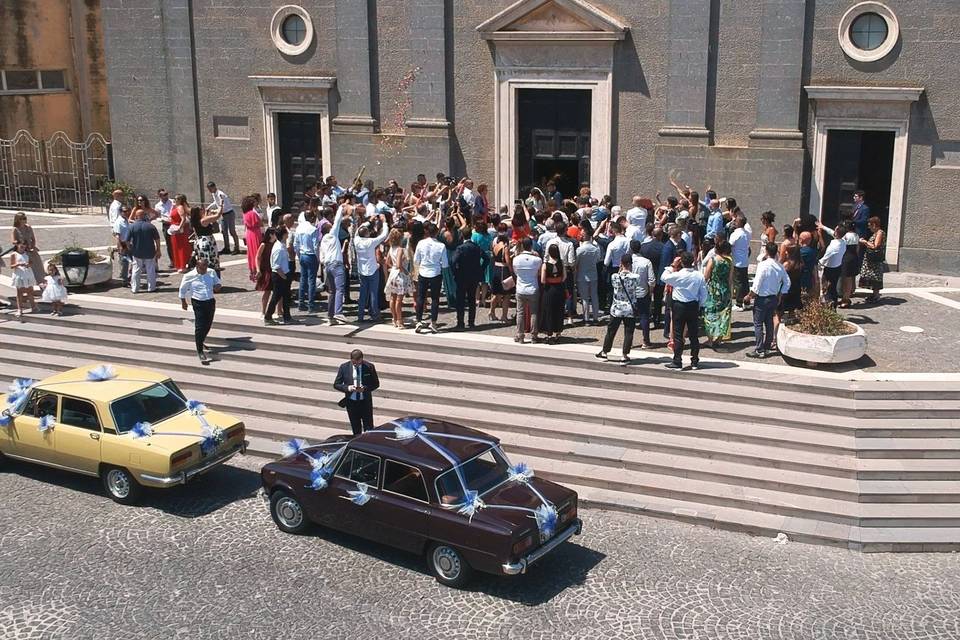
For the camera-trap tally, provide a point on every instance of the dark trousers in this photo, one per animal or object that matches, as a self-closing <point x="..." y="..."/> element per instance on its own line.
<point x="433" y="286"/>
<point x="667" y="315"/>
<point x="741" y="282"/>
<point x="166" y="239"/>
<point x="629" y="323"/>
<point x="279" y="295"/>
<point x="763" y="310"/>
<point x="832" y="276"/>
<point x="466" y="299"/>
<point x="360" y="413"/>
<point x="642" y="314"/>
<point x="203" y="311"/>
<point x="686" y="315"/>
<point x="656" y="311"/>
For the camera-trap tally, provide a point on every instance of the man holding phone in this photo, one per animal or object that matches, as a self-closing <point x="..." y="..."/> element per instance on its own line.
<point x="357" y="379"/>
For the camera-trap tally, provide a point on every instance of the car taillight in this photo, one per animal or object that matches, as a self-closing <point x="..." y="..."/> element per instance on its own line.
<point x="523" y="545"/>
<point x="180" y="457"/>
<point x="236" y="432"/>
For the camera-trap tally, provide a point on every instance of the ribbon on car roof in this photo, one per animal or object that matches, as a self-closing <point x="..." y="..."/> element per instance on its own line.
<point x="409" y="429"/>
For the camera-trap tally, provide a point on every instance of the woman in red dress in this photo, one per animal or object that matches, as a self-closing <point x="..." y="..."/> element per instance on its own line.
<point x="254" y="233"/>
<point x="180" y="233"/>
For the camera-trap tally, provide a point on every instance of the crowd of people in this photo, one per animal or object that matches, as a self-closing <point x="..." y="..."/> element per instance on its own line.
<point x="678" y="264"/>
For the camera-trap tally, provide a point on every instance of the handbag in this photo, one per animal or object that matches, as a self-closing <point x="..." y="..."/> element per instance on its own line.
<point x="633" y="303"/>
<point x="508" y="283"/>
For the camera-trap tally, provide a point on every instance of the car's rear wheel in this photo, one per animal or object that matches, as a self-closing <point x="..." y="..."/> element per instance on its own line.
<point x="288" y="513"/>
<point x="448" y="565"/>
<point x="120" y="485"/>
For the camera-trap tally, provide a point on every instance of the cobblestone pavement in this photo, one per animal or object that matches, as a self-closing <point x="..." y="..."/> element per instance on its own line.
<point x="206" y="561"/>
<point x="890" y="348"/>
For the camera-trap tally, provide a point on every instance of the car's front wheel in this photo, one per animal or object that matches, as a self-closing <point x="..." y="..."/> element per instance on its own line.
<point x="288" y="513"/>
<point x="448" y="565"/>
<point x="120" y="485"/>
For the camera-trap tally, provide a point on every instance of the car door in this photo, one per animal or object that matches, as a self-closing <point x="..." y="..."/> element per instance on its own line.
<point x="78" y="435"/>
<point x="400" y="514"/>
<point x="355" y="468"/>
<point x="31" y="443"/>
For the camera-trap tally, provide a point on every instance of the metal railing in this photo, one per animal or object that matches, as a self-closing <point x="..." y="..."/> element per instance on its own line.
<point x="53" y="174"/>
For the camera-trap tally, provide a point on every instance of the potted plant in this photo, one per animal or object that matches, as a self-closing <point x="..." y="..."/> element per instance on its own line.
<point x="82" y="267"/>
<point x="820" y="335"/>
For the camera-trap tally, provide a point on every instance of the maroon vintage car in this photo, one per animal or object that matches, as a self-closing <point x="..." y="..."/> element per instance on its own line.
<point x="430" y="487"/>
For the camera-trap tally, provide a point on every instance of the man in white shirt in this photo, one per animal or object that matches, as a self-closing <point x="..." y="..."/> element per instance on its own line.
<point x="199" y="286"/>
<point x="273" y="210"/>
<point x="306" y="245"/>
<point x="279" y="280"/>
<point x="228" y="218"/>
<point x="431" y="259"/>
<point x="163" y="207"/>
<point x="526" y="272"/>
<point x="121" y="235"/>
<point x="114" y="211"/>
<point x="689" y="294"/>
<point x="369" y="268"/>
<point x="637" y="219"/>
<point x="331" y="257"/>
<point x="643" y="268"/>
<point x="740" y="246"/>
<point x="831" y="261"/>
<point x="769" y="283"/>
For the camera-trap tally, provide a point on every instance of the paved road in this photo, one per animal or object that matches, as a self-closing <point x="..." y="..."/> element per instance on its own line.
<point x="205" y="561"/>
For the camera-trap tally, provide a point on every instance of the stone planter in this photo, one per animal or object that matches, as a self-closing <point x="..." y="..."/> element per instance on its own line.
<point x="97" y="273"/>
<point x="822" y="349"/>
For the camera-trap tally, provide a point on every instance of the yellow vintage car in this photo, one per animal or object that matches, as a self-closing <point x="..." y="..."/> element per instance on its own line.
<point x="130" y="427"/>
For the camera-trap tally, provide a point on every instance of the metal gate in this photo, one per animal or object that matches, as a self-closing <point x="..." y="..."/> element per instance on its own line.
<point x="53" y="174"/>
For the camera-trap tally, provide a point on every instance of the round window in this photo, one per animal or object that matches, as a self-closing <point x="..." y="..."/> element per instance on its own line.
<point x="867" y="32"/>
<point x="291" y="30"/>
<point x="294" y="30"/>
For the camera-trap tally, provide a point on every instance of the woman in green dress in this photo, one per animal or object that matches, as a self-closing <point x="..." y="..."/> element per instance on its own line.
<point x="718" y="273"/>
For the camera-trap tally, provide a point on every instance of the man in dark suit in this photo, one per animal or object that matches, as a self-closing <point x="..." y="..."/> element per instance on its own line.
<point x="357" y="379"/>
<point x="652" y="250"/>
<point x="468" y="265"/>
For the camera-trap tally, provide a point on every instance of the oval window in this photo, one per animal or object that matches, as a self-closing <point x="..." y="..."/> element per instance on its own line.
<point x="294" y="30"/>
<point x="868" y="31"/>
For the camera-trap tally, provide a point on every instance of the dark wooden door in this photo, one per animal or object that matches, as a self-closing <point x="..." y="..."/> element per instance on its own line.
<point x="554" y="138"/>
<point x="300" y="159"/>
<point x="857" y="160"/>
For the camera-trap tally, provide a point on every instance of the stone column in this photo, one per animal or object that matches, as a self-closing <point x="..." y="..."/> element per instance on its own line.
<point x="688" y="50"/>
<point x="781" y="61"/>
<point x="353" y="67"/>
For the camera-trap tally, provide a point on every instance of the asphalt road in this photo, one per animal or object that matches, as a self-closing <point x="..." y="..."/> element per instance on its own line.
<point x="206" y="561"/>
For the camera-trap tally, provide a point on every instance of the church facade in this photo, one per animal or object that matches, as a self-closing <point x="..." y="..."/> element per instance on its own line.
<point x="789" y="105"/>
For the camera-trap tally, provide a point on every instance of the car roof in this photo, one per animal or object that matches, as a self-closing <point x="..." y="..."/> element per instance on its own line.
<point x="128" y="380"/>
<point x="381" y="442"/>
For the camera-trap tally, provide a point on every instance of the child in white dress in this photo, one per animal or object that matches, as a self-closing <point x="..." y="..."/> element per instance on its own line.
<point x="22" y="278"/>
<point x="54" y="290"/>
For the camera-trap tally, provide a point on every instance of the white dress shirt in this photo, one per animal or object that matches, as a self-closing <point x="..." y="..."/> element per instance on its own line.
<point x="526" y="267"/>
<point x="367" y="251"/>
<point x="430" y="258"/>
<point x="164" y="209"/>
<point x="637" y="217"/>
<point x="279" y="258"/>
<point x="617" y="248"/>
<point x="771" y="279"/>
<point x="331" y="253"/>
<point x="306" y="239"/>
<point x="740" y="244"/>
<point x="222" y="200"/>
<point x="643" y="268"/>
<point x="113" y="214"/>
<point x="834" y="254"/>
<point x="688" y="285"/>
<point x="199" y="286"/>
<point x="568" y="253"/>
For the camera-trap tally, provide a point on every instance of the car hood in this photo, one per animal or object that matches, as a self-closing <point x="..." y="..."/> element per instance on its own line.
<point x="186" y="423"/>
<point x="517" y="494"/>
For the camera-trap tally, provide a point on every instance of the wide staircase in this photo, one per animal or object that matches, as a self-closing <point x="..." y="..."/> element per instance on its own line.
<point x="873" y="466"/>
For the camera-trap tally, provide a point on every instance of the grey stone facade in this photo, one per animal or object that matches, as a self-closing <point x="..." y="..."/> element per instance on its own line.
<point x="713" y="89"/>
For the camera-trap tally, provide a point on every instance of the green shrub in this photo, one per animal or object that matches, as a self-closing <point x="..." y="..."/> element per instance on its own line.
<point x="108" y="187"/>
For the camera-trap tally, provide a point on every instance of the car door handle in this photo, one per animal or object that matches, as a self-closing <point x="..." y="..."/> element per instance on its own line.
<point x="95" y="436"/>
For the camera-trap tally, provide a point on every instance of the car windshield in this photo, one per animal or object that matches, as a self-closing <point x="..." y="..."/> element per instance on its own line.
<point x="153" y="404"/>
<point x="480" y="474"/>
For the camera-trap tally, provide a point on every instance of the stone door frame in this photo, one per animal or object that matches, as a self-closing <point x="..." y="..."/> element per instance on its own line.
<point x="506" y="123"/>
<point x="865" y="109"/>
<point x="292" y="94"/>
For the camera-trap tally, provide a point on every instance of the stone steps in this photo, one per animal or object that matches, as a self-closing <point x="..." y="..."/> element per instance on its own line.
<point x="740" y="449"/>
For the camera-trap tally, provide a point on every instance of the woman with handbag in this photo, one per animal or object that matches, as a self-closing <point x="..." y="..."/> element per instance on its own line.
<point x="179" y="232"/>
<point x="871" y="272"/>
<point x="204" y="243"/>
<point x="626" y="293"/>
